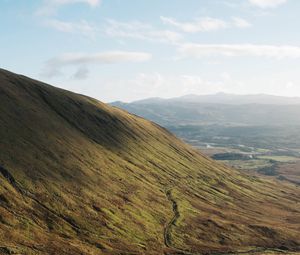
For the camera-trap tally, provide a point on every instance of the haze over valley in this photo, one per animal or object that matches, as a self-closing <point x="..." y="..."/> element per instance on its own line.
<point x="256" y="133"/>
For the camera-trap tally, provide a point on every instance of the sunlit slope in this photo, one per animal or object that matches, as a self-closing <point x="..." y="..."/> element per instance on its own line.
<point x="81" y="177"/>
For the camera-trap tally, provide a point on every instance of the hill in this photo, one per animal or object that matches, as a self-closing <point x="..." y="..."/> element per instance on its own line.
<point x="81" y="177"/>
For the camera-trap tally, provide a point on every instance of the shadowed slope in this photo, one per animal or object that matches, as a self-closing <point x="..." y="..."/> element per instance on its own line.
<point x="80" y="177"/>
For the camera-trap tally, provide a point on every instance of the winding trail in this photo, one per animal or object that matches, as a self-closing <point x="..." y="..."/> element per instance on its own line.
<point x="168" y="227"/>
<point x="171" y="223"/>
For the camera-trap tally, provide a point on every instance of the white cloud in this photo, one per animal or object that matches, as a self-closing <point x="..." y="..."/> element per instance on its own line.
<point x="139" y="30"/>
<point x="241" y="23"/>
<point x="54" y="66"/>
<point x="110" y="57"/>
<point x="197" y="25"/>
<point x="267" y="3"/>
<point x="49" y="7"/>
<point x="205" y="24"/>
<point x="239" y="50"/>
<point x="82" y="27"/>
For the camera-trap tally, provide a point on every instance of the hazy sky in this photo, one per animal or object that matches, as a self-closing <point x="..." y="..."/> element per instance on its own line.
<point x="132" y="49"/>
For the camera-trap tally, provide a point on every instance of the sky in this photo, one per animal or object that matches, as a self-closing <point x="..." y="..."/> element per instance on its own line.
<point x="133" y="49"/>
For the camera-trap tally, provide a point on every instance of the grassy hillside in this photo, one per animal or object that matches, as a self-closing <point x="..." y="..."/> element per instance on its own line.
<point x="81" y="177"/>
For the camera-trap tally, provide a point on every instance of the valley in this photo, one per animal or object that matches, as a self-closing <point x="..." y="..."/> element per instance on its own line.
<point x="255" y="149"/>
<point x="257" y="133"/>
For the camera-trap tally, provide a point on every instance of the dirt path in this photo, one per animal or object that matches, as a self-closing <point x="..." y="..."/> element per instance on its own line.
<point x="176" y="215"/>
<point x="171" y="223"/>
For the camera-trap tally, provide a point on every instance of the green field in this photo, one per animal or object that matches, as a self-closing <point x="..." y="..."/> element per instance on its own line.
<point x="254" y="164"/>
<point x="283" y="159"/>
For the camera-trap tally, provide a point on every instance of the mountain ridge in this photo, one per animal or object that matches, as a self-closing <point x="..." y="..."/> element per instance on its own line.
<point x="223" y="98"/>
<point x="173" y="112"/>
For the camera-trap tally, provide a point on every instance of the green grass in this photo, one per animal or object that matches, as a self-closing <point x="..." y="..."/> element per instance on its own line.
<point x="252" y="164"/>
<point x="282" y="159"/>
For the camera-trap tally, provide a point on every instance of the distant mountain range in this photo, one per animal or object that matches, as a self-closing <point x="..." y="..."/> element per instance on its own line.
<point x="231" y="99"/>
<point x="221" y="108"/>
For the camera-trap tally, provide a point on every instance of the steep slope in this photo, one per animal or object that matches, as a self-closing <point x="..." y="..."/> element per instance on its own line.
<point x="81" y="177"/>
